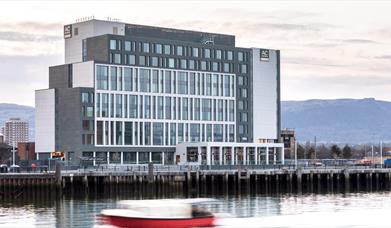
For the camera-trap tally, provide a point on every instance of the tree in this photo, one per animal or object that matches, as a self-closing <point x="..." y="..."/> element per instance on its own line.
<point x="300" y="151"/>
<point x="335" y="151"/>
<point x="346" y="152"/>
<point x="311" y="152"/>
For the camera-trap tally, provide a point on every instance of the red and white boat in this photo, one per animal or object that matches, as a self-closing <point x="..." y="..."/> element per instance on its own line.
<point x="166" y="213"/>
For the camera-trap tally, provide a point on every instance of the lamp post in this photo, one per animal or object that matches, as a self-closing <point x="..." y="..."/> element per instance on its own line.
<point x="13" y="153"/>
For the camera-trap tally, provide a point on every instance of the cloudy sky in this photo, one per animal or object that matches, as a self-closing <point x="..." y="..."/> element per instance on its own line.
<point x="330" y="49"/>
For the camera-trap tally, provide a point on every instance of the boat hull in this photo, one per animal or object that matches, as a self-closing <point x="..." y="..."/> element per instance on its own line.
<point x="157" y="223"/>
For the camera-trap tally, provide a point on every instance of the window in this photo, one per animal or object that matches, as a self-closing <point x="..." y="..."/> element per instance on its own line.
<point x="145" y="76"/>
<point x="203" y="65"/>
<point x="84" y="98"/>
<point x="168" y="108"/>
<point x="240" y="56"/>
<point x="218" y="54"/>
<point x="182" y="83"/>
<point x="215" y="66"/>
<point x="167" y="81"/>
<point x="226" y="67"/>
<point x="133" y="106"/>
<point x="155" y="81"/>
<point x="128" y="134"/>
<point x="117" y="58"/>
<point x="88" y="111"/>
<point x="128" y="79"/>
<point x="99" y="132"/>
<point x="183" y="64"/>
<point x="76" y="31"/>
<point x="142" y="61"/>
<point x="229" y="55"/>
<point x="191" y="64"/>
<point x="243" y="117"/>
<point x="158" y="49"/>
<point x="155" y="61"/>
<point x="195" y="52"/>
<point x="244" y="93"/>
<point x="157" y="133"/>
<point x="146" y="47"/>
<point x="240" y="80"/>
<point x="179" y="50"/>
<point x="218" y="132"/>
<point x="102" y="77"/>
<point x="171" y="63"/>
<point x="243" y="68"/>
<point x="192" y="83"/>
<point x="128" y="46"/>
<point x="113" y="78"/>
<point x="118" y="106"/>
<point x="132" y="59"/>
<point x="206" y="109"/>
<point x="147" y="113"/>
<point x="207" y="53"/>
<point x="113" y="44"/>
<point x="167" y="49"/>
<point x="185" y="109"/>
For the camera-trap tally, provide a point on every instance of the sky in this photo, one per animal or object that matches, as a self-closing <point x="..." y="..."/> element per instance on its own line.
<point x="329" y="49"/>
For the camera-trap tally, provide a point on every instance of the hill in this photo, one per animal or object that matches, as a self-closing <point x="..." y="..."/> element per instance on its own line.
<point x="341" y="120"/>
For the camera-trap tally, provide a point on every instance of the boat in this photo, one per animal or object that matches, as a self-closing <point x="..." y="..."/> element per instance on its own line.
<point x="165" y="213"/>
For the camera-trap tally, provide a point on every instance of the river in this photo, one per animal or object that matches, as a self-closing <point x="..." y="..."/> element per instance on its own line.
<point x="355" y="209"/>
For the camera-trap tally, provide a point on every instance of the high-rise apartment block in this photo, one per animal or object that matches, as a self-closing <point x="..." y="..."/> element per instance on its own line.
<point x="15" y="131"/>
<point x="133" y="94"/>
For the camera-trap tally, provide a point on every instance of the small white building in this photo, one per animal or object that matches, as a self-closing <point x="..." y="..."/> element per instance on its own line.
<point x="224" y="153"/>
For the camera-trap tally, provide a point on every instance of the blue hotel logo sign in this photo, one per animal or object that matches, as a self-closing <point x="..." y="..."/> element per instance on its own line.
<point x="67" y="31"/>
<point x="264" y="55"/>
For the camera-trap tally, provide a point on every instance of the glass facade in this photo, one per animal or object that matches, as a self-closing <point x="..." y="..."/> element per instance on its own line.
<point x="151" y="107"/>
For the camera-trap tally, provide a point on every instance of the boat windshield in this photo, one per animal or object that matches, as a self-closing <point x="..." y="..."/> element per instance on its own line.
<point x="200" y="212"/>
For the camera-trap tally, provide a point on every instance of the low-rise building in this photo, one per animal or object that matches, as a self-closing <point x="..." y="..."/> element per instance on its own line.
<point x="26" y="151"/>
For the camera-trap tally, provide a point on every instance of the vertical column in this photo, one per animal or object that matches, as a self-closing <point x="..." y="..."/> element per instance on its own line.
<point x="244" y="155"/>
<point x="232" y="155"/>
<point x="199" y="155"/>
<point x="221" y="155"/>
<point x="137" y="158"/>
<point x="150" y="156"/>
<point x="282" y="155"/>
<point x="208" y="155"/>
<point x="122" y="158"/>
<point x="256" y="155"/>
<point x="267" y="155"/>
<point x="108" y="157"/>
<point x="93" y="155"/>
<point x="274" y="155"/>
<point x="163" y="155"/>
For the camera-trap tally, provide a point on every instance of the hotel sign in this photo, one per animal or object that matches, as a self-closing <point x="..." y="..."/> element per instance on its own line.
<point x="264" y="55"/>
<point x="67" y="31"/>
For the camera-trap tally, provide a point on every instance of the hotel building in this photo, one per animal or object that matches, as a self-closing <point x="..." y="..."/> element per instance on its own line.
<point x="134" y="94"/>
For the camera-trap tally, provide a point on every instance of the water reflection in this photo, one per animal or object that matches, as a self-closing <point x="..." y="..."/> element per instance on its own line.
<point x="283" y="208"/>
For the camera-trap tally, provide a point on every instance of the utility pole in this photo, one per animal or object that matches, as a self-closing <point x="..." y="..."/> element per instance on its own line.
<point x="295" y="154"/>
<point x="315" y="147"/>
<point x="372" y="154"/>
<point x="381" y="154"/>
<point x="13" y="153"/>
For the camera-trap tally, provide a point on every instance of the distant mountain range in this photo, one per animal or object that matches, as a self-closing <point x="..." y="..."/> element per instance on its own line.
<point x="339" y="121"/>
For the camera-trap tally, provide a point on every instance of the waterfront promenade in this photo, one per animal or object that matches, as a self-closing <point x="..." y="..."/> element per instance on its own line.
<point x="270" y="176"/>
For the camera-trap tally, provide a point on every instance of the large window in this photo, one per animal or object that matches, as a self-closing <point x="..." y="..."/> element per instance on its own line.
<point x="145" y="80"/>
<point x="168" y="108"/>
<point x="185" y="109"/>
<point x="147" y="132"/>
<point x="155" y="81"/>
<point x="147" y="112"/>
<point x="118" y="133"/>
<point x="113" y="78"/>
<point x="192" y="83"/>
<point x="158" y="49"/>
<point x="128" y="133"/>
<point x="118" y="110"/>
<point x="218" y="132"/>
<point x="113" y="44"/>
<point x="146" y="47"/>
<point x="157" y="133"/>
<point x="105" y="105"/>
<point x="160" y="107"/>
<point x="182" y="83"/>
<point x="102" y="77"/>
<point x="128" y="79"/>
<point x="179" y="50"/>
<point x="132" y="106"/>
<point x="167" y="81"/>
<point x="194" y="132"/>
<point x="206" y="109"/>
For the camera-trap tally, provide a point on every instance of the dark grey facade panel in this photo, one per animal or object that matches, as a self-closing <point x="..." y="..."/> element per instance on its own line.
<point x="97" y="49"/>
<point x="60" y="76"/>
<point x="278" y="95"/>
<point x="177" y="34"/>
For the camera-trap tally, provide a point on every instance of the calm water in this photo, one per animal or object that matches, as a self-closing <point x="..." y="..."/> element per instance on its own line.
<point x="361" y="209"/>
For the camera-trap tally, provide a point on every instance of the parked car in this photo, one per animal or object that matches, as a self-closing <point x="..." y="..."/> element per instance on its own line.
<point x="3" y="168"/>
